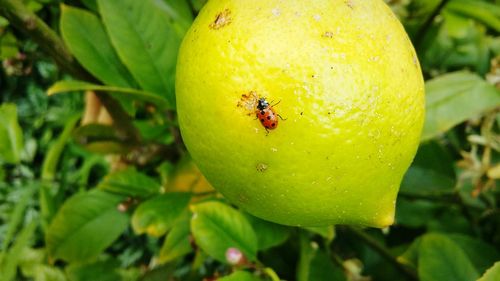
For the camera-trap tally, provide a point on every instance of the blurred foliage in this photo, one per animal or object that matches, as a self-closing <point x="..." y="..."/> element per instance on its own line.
<point x="78" y="201"/>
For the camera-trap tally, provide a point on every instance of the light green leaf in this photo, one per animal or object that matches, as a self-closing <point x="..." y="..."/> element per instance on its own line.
<point x="85" y="225"/>
<point x="492" y="274"/>
<point x="48" y="273"/>
<point x="85" y="36"/>
<point x="454" y="98"/>
<point x="146" y="41"/>
<point x="268" y="234"/>
<point x="240" y="275"/>
<point x="177" y="242"/>
<point x="440" y="259"/>
<point x="9" y="263"/>
<point x="484" y="12"/>
<point x="130" y="182"/>
<point x="29" y="259"/>
<point x="327" y="232"/>
<point x="217" y="227"/>
<point x="118" y="92"/>
<point x="11" y="135"/>
<point x="160" y="213"/>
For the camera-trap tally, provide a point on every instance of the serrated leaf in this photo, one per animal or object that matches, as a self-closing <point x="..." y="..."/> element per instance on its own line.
<point x="448" y="101"/>
<point x="177" y="241"/>
<point x="240" y="275"/>
<point x="217" y="227"/>
<point x="85" y="36"/>
<point x="118" y="92"/>
<point x="11" y="135"/>
<point x="440" y="259"/>
<point x="492" y="274"/>
<point x="160" y="213"/>
<point x="147" y="47"/>
<point x="85" y="225"/>
<point x="130" y="182"/>
<point x="268" y="234"/>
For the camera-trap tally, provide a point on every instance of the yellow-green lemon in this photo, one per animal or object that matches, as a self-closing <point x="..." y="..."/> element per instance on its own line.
<point x="345" y="79"/>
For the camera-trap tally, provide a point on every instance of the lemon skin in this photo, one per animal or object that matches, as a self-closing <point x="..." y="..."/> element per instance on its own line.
<point x="348" y="83"/>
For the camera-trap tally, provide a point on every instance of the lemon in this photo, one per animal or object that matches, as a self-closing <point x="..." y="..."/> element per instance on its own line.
<point x="344" y="77"/>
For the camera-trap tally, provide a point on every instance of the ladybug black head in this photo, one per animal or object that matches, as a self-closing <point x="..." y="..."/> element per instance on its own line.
<point x="262" y="104"/>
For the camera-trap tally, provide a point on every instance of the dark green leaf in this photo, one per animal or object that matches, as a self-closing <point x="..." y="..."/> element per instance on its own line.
<point x="100" y="270"/>
<point x="415" y="213"/>
<point x="268" y="234"/>
<point x="449" y="101"/>
<point x="217" y="227"/>
<point x="85" y="36"/>
<point x="322" y="268"/>
<point x="11" y="135"/>
<point x="492" y="274"/>
<point x="122" y="93"/>
<point x="481" y="254"/>
<point x="147" y="47"/>
<point x="177" y="243"/>
<point x="240" y="276"/>
<point x="86" y="224"/>
<point x="440" y="259"/>
<point x="160" y="213"/>
<point x="130" y="182"/>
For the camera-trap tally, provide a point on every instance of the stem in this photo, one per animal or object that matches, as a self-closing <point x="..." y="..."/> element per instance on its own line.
<point x="50" y="43"/>
<point x="381" y="250"/>
<point x="423" y="29"/>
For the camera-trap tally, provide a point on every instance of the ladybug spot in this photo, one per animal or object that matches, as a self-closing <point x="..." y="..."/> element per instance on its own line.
<point x="262" y="120"/>
<point x="269" y="117"/>
<point x="273" y="125"/>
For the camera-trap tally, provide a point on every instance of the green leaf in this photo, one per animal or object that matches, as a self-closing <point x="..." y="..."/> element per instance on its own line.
<point x="410" y="256"/>
<point x="29" y="259"/>
<point x="86" y="224"/>
<point x="9" y="263"/>
<point x="105" y="270"/>
<point x="118" y="92"/>
<point x="217" y="227"/>
<point x="481" y="254"/>
<point x="240" y="275"/>
<point x="177" y="242"/>
<point x="48" y="273"/>
<point x="268" y="234"/>
<point x="160" y="213"/>
<point x="327" y="232"/>
<point x="492" y="274"/>
<point x="322" y="268"/>
<point x="16" y="218"/>
<point x="130" y="182"/>
<point x="147" y="47"/>
<point x="415" y="213"/>
<point x="440" y="259"/>
<point x="484" y="12"/>
<point x="11" y="135"/>
<point x="85" y="36"/>
<point x="454" y="98"/>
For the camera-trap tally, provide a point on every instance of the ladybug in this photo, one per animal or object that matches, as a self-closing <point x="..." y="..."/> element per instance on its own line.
<point x="266" y="114"/>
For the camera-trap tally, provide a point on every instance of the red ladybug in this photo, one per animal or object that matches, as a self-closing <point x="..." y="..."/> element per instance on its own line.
<point x="265" y="113"/>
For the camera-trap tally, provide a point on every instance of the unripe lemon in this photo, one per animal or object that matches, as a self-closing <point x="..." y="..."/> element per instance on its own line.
<point x="345" y="79"/>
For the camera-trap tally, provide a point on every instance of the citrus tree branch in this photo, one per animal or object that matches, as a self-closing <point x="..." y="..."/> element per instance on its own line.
<point x="49" y="42"/>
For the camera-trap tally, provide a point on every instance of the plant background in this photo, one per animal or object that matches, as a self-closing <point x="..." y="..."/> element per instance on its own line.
<point x="95" y="183"/>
